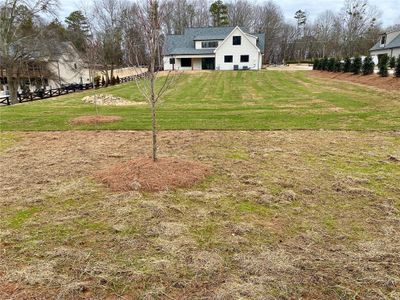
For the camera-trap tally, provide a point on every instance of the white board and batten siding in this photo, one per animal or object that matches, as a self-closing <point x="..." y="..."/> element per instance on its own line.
<point x="247" y="47"/>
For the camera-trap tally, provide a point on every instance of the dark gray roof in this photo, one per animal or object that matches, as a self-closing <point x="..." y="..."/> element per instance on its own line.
<point x="395" y="43"/>
<point x="184" y="43"/>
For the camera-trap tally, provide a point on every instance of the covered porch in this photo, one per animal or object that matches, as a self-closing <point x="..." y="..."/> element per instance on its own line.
<point x="186" y="62"/>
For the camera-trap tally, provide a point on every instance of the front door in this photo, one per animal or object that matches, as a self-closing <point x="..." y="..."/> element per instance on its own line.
<point x="208" y="63"/>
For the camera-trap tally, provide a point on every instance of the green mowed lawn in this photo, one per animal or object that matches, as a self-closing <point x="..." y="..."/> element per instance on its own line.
<point x="226" y="100"/>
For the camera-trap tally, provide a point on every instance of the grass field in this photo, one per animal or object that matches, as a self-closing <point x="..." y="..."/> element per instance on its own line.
<point x="285" y="214"/>
<point x="227" y="100"/>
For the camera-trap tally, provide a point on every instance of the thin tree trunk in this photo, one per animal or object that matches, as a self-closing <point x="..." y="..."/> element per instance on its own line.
<point x="13" y="88"/>
<point x="153" y="110"/>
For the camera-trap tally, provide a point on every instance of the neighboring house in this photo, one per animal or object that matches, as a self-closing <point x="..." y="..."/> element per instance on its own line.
<point x="67" y="66"/>
<point x="63" y="66"/>
<point x="389" y="43"/>
<point x="214" y="48"/>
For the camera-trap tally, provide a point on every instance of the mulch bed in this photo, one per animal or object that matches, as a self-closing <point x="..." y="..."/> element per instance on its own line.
<point x="145" y="175"/>
<point x="387" y="83"/>
<point x="86" y="120"/>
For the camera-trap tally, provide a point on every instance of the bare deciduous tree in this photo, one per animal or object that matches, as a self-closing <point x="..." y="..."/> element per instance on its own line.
<point x="149" y="15"/>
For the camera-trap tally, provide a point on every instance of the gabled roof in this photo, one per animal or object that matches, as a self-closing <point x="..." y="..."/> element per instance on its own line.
<point x="395" y="43"/>
<point x="185" y="43"/>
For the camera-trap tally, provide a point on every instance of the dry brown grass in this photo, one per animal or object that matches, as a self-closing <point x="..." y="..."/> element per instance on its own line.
<point x="386" y="83"/>
<point x="144" y="174"/>
<point x="86" y="120"/>
<point x="284" y="215"/>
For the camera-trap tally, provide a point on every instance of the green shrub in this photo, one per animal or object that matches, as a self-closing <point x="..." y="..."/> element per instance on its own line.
<point x="392" y="62"/>
<point x="397" y="69"/>
<point x="316" y="64"/>
<point x="338" y="65"/>
<point x="347" y="65"/>
<point x="356" y="65"/>
<point x="324" y="64"/>
<point x="368" y="66"/>
<point x="103" y="82"/>
<point x="331" y="64"/>
<point x="383" y="65"/>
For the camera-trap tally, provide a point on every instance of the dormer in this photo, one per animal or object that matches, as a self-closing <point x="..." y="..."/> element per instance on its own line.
<point x="383" y="40"/>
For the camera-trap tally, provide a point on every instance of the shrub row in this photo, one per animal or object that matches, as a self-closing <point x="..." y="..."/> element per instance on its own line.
<point x="358" y="66"/>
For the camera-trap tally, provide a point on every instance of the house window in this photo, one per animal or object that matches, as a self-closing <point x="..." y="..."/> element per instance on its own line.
<point x="186" y="62"/>
<point x="237" y="40"/>
<point x="383" y="39"/>
<point x="172" y="61"/>
<point x="228" y="58"/>
<point x="209" y="44"/>
<point x="244" y="58"/>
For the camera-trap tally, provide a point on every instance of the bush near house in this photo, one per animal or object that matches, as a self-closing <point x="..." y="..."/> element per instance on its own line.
<point x="324" y="64"/>
<point x="356" y="65"/>
<point x="397" y="69"/>
<point x="331" y="64"/>
<point x="347" y="65"/>
<point x="316" y="64"/>
<point x="383" y="65"/>
<point x="392" y="62"/>
<point x="338" y="65"/>
<point x="368" y="66"/>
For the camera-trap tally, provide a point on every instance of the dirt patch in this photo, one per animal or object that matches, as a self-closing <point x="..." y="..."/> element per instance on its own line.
<point x="109" y="100"/>
<point x="145" y="175"/>
<point x="87" y="120"/>
<point x="387" y="83"/>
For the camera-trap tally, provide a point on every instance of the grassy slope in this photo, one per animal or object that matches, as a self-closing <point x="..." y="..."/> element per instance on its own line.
<point x="227" y="100"/>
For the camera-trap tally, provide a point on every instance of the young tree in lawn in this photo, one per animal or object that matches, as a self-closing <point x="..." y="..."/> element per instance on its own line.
<point x="356" y="65"/>
<point x="397" y="68"/>
<point x="392" y="62"/>
<point x="149" y="15"/>
<point x="21" y="37"/>
<point x="368" y="66"/>
<point x="383" y="65"/>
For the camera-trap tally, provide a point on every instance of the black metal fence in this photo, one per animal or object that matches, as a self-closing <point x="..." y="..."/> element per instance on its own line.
<point x="63" y="90"/>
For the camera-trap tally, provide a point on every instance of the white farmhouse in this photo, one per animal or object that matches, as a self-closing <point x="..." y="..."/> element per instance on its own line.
<point x="214" y="48"/>
<point x="389" y="43"/>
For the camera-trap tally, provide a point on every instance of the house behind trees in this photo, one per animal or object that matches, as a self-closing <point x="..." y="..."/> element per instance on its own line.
<point x="389" y="43"/>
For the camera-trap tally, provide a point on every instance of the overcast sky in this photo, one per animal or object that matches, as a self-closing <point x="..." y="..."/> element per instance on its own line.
<point x="389" y="8"/>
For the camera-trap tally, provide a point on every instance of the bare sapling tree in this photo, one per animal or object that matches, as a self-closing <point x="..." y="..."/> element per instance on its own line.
<point x="149" y="15"/>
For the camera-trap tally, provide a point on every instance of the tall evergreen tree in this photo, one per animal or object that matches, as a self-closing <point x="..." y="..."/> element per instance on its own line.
<point x="397" y="69"/>
<point x="356" y="65"/>
<point x="219" y="13"/>
<point x="368" y="66"/>
<point x="383" y="65"/>
<point x="392" y="62"/>
<point x="347" y="65"/>
<point x="77" y="29"/>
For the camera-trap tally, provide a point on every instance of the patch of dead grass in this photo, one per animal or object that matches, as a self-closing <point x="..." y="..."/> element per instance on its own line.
<point x="88" y="120"/>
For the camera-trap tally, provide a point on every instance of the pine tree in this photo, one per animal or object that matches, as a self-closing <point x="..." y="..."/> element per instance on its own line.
<point x="397" y="69"/>
<point x="383" y="65"/>
<point x="356" y="65"/>
<point x="392" y="62"/>
<point x="219" y="13"/>
<point x="103" y="82"/>
<point x="368" y="66"/>
<point x="118" y="80"/>
<point x="347" y="65"/>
